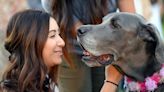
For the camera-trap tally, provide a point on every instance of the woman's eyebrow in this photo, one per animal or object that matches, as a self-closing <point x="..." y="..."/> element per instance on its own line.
<point x="52" y="31"/>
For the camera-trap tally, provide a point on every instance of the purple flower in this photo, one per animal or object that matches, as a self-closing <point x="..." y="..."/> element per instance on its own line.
<point x="150" y="84"/>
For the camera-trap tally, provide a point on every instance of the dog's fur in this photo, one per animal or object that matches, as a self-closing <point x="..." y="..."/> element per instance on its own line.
<point x="133" y="45"/>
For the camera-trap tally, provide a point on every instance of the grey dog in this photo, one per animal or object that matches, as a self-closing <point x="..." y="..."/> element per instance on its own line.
<point x="127" y="41"/>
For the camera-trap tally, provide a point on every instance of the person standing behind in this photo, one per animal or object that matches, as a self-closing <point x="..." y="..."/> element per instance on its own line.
<point x="70" y="14"/>
<point x="150" y="9"/>
<point x="35" y="48"/>
<point x="156" y="18"/>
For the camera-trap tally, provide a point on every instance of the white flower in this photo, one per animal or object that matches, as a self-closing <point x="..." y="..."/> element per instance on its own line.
<point x="133" y="86"/>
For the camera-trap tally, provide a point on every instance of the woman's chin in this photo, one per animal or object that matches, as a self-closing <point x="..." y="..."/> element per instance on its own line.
<point x="57" y="62"/>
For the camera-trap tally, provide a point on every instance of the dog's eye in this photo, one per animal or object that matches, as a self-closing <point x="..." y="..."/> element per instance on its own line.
<point x="114" y="23"/>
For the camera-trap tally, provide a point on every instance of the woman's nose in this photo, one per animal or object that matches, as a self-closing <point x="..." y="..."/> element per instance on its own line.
<point x="61" y="42"/>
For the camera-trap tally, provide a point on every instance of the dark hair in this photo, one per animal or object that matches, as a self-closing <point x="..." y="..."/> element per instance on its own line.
<point x="86" y="11"/>
<point x="27" y="33"/>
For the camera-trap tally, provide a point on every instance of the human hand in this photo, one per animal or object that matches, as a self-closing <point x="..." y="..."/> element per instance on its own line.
<point x="112" y="74"/>
<point x="112" y="79"/>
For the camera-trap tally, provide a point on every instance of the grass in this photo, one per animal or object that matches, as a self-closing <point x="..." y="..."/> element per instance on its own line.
<point x="163" y="24"/>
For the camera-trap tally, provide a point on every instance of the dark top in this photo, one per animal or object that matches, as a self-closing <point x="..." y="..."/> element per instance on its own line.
<point x="11" y="85"/>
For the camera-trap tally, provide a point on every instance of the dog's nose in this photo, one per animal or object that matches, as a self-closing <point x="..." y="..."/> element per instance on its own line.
<point x="81" y="31"/>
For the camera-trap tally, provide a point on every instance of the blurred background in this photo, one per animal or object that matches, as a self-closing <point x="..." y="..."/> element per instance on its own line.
<point x="7" y="9"/>
<point x="152" y="10"/>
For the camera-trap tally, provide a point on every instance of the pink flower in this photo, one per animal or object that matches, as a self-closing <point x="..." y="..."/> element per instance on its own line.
<point x="142" y="87"/>
<point x="161" y="72"/>
<point x="129" y="79"/>
<point x="156" y="77"/>
<point x="150" y="84"/>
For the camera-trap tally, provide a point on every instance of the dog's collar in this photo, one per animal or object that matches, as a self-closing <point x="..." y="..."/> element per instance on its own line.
<point x="149" y="84"/>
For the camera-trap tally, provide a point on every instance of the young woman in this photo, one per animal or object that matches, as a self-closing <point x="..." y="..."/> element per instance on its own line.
<point x="35" y="52"/>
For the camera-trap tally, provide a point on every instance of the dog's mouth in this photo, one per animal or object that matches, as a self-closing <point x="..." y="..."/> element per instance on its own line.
<point x="102" y="60"/>
<point x="94" y="60"/>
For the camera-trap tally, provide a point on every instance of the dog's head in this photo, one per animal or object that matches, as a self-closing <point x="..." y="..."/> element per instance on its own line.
<point x="125" y="40"/>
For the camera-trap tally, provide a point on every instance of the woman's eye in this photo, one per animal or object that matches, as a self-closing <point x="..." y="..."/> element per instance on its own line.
<point x="52" y="36"/>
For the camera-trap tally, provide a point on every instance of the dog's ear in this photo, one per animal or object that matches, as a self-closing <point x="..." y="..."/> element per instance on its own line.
<point x="159" y="52"/>
<point x="146" y="32"/>
<point x="153" y="35"/>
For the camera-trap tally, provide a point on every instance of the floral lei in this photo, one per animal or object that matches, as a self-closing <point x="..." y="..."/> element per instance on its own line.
<point x="149" y="84"/>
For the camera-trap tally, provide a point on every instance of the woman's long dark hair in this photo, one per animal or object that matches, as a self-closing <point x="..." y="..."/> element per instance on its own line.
<point x="86" y="11"/>
<point x="27" y="33"/>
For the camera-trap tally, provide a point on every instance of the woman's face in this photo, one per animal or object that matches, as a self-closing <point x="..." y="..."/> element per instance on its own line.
<point x="52" y="50"/>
